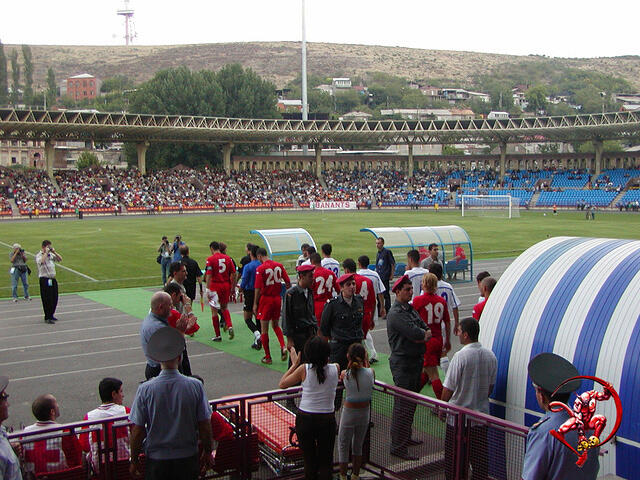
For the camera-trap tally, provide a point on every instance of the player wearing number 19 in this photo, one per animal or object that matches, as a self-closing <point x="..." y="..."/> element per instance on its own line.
<point x="267" y="301"/>
<point x="219" y="278"/>
<point x="433" y="311"/>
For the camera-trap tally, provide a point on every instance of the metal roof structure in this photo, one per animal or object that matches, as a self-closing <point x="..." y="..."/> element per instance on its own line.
<point x="132" y="127"/>
<point x="284" y="241"/>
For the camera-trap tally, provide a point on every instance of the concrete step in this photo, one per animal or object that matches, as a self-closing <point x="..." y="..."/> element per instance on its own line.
<point x="15" y="211"/>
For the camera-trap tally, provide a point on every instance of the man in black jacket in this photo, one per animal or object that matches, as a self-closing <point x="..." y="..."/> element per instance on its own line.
<point x="298" y="317"/>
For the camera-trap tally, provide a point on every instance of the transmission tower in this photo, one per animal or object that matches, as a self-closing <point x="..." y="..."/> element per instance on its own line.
<point x="129" y="28"/>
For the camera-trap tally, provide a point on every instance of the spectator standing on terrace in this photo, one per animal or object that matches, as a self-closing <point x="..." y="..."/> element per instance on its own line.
<point x="53" y="454"/>
<point x="45" y="260"/>
<point x="111" y="396"/>
<point x="414" y="271"/>
<point x="431" y="258"/>
<point x="175" y="247"/>
<point x="220" y="280"/>
<point x="315" y="419"/>
<point x="267" y="302"/>
<point x="385" y="266"/>
<point x="247" y="290"/>
<point x="18" y="271"/>
<point x="165" y="250"/>
<point x="469" y="382"/>
<point x="407" y="335"/>
<point x="9" y="463"/>
<point x="486" y="287"/>
<point x="194" y="274"/>
<point x="328" y="262"/>
<point x="170" y="413"/>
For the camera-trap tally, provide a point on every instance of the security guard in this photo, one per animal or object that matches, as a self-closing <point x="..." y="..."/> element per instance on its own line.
<point x="407" y="336"/>
<point x="298" y="317"/>
<point x="546" y="457"/>
<point x="342" y="320"/>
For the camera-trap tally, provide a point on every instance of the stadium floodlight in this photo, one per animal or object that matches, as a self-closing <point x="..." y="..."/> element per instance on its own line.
<point x="504" y="206"/>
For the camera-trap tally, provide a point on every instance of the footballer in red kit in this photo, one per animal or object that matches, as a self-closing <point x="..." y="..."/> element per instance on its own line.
<point x="219" y="276"/>
<point x="267" y="301"/>
<point x="434" y="311"/>
<point x="364" y="288"/>
<point x="325" y="285"/>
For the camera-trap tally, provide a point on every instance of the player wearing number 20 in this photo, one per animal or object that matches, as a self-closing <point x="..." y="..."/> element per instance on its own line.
<point x="325" y="285"/>
<point x="433" y="311"/>
<point x="267" y="301"/>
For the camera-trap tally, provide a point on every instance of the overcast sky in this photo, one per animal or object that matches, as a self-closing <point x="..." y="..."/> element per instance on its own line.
<point x="558" y="28"/>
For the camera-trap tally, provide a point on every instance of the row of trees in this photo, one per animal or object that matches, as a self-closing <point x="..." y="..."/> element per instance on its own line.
<point x="21" y="90"/>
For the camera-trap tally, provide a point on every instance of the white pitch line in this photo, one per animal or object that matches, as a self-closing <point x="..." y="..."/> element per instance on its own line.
<point x="65" y="313"/>
<point x="66" y="322"/>
<point x="64" y="357"/>
<point x="27" y="306"/>
<point x="59" y="265"/>
<point x="25" y="347"/>
<point x="73" y="330"/>
<point x="110" y="367"/>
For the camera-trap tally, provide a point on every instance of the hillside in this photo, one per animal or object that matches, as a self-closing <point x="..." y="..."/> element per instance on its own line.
<point x="280" y="61"/>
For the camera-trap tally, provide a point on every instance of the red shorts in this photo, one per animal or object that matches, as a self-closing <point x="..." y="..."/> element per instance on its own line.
<point x="433" y="352"/>
<point x="269" y="308"/>
<point x="367" y="322"/>
<point x="318" y="307"/>
<point x="223" y="290"/>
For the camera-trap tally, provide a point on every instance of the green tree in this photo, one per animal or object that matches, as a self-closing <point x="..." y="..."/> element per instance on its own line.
<point x="117" y="83"/>
<point x="4" y="79"/>
<point x="607" y="146"/>
<point x="87" y="160"/>
<point x="245" y="93"/>
<point x="537" y="98"/>
<point x="51" y="87"/>
<point x="319" y="101"/>
<point x="451" y="150"/>
<point x="347" y="101"/>
<point x="27" y="59"/>
<point x="15" y="77"/>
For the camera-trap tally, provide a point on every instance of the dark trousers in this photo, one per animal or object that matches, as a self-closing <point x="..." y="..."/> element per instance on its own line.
<point x="386" y="294"/>
<point x="406" y="374"/>
<point x="317" y="435"/>
<point x="476" y="453"/>
<point x="49" y="296"/>
<point x="183" y="468"/>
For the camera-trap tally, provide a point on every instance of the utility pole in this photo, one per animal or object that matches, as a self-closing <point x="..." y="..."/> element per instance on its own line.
<point x="305" y="107"/>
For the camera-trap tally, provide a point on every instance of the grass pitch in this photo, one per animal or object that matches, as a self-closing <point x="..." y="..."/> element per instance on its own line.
<point x="119" y="252"/>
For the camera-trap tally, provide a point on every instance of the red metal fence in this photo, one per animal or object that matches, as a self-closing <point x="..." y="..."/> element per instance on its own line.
<point x="450" y="443"/>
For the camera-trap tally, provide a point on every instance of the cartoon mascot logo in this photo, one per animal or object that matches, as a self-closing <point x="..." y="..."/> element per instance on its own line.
<point x="583" y="417"/>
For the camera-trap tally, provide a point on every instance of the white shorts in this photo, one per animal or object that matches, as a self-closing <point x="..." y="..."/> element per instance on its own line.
<point x="212" y="298"/>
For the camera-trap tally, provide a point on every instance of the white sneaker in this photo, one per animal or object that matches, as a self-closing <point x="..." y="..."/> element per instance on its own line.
<point x="15" y="300"/>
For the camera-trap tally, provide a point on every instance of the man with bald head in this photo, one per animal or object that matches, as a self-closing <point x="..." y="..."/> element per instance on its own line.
<point x="156" y="319"/>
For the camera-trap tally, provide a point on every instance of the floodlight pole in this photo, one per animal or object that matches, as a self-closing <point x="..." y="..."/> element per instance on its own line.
<point x="305" y="107"/>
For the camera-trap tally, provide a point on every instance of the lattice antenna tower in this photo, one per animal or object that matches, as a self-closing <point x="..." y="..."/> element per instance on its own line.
<point x="129" y="27"/>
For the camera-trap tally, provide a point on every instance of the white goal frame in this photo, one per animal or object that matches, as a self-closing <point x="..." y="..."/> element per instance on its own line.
<point x="495" y="204"/>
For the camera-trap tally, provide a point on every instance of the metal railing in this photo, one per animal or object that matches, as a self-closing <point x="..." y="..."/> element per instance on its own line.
<point x="447" y="442"/>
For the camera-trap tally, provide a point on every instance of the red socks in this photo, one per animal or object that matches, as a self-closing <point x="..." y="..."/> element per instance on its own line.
<point x="264" y="339"/>
<point x="278" y="331"/>
<point x="437" y="388"/>
<point x="216" y="323"/>
<point x="227" y="318"/>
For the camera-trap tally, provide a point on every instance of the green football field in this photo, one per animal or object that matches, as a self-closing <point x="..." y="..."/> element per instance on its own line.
<point x="116" y="252"/>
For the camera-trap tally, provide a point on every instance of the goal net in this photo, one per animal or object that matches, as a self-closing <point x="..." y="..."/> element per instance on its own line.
<point x="504" y="206"/>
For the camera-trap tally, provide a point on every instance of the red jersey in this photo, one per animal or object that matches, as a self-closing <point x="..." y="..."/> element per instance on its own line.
<point x="478" y="309"/>
<point x="220" y="268"/>
<point x="269" y="276"/>
<point x="364" y="288"/>
<point x="460" y="253"/>
<point x="433" y="311"/>
<point x="325" y="283"/>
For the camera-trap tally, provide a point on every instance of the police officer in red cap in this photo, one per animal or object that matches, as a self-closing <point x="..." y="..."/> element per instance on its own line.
<point x="407" y="335"/>
<point x="299" y="322"/>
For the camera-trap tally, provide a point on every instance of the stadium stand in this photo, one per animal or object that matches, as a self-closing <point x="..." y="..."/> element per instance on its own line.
<point x="571" y="198"/>
<point x="615" y="179"/>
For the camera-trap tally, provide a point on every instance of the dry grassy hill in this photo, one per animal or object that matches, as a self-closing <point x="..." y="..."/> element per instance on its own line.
<point x="280" y="61"/>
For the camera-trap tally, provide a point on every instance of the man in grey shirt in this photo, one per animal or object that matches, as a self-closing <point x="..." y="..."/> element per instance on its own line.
<point x="433" y="257"/>
<point x="18" y="271"/>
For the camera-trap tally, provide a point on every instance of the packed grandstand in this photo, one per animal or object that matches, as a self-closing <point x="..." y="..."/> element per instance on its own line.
<point x="106" y="190"/>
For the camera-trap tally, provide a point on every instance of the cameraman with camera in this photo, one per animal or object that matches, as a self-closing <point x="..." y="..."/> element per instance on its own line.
<point x="45" y="260"/>
<point x="18" y="270"/>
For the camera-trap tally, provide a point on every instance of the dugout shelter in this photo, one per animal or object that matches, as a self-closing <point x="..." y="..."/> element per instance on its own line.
<point x="447" y="237"/>
<point x="576" y="297"/>
<point x="283" y="242"/>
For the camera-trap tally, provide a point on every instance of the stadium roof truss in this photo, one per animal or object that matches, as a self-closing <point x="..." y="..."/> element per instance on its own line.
<point x="131" y="127"/>
<point x="285" y="241"/>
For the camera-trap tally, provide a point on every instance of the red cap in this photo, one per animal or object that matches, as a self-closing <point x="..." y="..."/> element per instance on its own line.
<point x="305" y="268"/>
<point x="399" y="283"/>
<point x="345" y="277"/>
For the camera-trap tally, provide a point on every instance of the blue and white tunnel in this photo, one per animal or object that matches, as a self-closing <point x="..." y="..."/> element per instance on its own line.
<point x="579" y="298"/>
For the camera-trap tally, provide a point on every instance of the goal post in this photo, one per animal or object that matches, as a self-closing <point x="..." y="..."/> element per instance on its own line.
<point x="504" y="206"/>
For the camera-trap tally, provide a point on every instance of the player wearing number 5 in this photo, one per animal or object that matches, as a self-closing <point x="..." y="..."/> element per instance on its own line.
<point x="267" y="301"/>
<point x="219" y="277"/>
<point x="433" y="311"/>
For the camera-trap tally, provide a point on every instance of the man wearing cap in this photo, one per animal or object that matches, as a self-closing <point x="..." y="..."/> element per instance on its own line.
<point x="546" y="457"/>
<point x="172" y="413"/>
<point x="407" y="335"/>
<point x="342" y="320"/>
<point x="18" y="271"/>
<point x="298" y="318"/>
<point x="9" y="463"/>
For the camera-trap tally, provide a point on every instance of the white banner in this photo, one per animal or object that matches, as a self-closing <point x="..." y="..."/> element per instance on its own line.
<point x="331" y="205"/>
